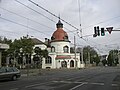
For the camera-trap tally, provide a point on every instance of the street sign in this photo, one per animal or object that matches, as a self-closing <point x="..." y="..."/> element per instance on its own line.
<point x="109" y="29"/>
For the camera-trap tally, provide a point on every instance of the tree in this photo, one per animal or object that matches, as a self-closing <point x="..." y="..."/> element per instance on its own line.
<point x="113" y="58"/>
<point x="104" y="62"/>
<point x="19" y="48"/>
<point x="90" y="54"/>
<point x="39" y="54"/>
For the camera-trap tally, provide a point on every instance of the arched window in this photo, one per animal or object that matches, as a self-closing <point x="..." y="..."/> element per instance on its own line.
<point x="48" y="60"/>
<point x="66" y="38"/>
<point x="52" y="49"/>
<point x="64" y="64"/>
<point x="71" y="63"/>
<point x="52" y="38"/>
<point x="66" y="49"/>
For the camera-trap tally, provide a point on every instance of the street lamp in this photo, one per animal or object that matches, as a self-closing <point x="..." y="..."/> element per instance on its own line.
<point x="21" y="56"/>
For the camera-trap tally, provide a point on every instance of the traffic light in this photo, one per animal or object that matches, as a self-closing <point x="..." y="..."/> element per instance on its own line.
<point x="95" y="32"/>
<point x="102" y="32"/>
<point x="98" y="31"/>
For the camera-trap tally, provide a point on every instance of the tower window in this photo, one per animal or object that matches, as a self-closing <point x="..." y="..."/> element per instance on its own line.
<point x="52" y="49"/>
<point x="66" y="49"/>
<point x="52" y="38"/>
<point x="66" y="38"/>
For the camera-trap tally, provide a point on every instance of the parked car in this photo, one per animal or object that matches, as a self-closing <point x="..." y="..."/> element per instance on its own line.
<point x="11" y="73"/>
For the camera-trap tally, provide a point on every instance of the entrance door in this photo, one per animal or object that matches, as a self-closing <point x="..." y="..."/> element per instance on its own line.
<point x="71" y="63"/>
<point x="64" y="64"/>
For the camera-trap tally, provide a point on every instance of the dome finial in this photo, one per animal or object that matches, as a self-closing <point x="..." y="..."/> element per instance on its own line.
<point x="59" y="24"/>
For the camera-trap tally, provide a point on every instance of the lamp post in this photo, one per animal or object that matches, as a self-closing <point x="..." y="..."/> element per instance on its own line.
<point x="21" y="57"/>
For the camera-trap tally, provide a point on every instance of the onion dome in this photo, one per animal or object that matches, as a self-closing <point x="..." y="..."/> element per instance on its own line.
<point x="59" y="34"/>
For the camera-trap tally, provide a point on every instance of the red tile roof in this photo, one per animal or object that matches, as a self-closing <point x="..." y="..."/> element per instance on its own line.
<point x="63" y="57"/>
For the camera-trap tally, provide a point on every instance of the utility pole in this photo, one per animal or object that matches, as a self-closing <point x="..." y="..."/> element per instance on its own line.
<point x="75" y="51"/>
<point x="82" y="62"/>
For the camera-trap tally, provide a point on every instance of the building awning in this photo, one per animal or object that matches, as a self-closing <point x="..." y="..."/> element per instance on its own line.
<point x="63" y="57"/>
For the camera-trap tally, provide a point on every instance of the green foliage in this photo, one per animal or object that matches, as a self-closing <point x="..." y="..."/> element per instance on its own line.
<point x="41" y="53"/>
<point x="104" y="62"/>
<point x="90" y="54"/>
<point x="5" y="40"/>
<point x="25" y="43"/>
<point x="113" y="58"/>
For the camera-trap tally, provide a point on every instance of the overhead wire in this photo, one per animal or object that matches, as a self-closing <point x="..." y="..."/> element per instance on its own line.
<point x="26" y="18"/>
<point x="22" y="25"/>
<point x="9" y="31"/>
<point x="102" y="22"/>
<point x="64" y="20"/>
<point x="47" y="10"/>
<point x="52" y="14"/>
<point x="39" y="13"/>
<point x="35" y="11"/>
<point x="58" y="16"/>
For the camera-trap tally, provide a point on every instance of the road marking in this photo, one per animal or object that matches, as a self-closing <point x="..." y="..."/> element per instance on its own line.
<point x="98" y="83"/>
<point x="77" y="86"/>
<point x="14" y="89"/>
<point x="80" y="84"/>
<point x="69" y="82"/>
<point x="33" y="85"/>
<point x="114" y="85"/>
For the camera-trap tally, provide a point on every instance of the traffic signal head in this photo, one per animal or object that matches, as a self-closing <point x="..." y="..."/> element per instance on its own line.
<point x="98" y="31"/>
<point x="102" y="32"/>
<point x="95" y="32"/>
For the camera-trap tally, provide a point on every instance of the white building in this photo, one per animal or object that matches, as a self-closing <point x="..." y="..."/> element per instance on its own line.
<point x="2" y="47"/>
<point x="59" y="51"/>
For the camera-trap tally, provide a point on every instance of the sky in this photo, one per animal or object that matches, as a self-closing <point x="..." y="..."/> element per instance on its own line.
<point x="21" y="17"/>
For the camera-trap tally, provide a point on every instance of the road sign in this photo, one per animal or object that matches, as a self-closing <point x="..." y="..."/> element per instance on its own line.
<point x="109" y="29"/>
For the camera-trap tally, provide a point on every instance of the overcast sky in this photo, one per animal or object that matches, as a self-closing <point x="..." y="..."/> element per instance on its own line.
<point x="17" y="20"/>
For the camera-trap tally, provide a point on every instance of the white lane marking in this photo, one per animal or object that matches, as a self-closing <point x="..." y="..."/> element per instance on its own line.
<point x="114" y="85"/>
<point x="77" y="86"/>
<point x="80" y="84"/>
<point x="98" y="83"/>
<point x="33" y="85"/>
<point x="84" y="83"/>
<point x="14" y="89"/>
<point x="68" y="82"/>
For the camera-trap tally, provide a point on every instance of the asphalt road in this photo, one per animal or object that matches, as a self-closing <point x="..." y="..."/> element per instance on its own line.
<point x="99" y="78"/>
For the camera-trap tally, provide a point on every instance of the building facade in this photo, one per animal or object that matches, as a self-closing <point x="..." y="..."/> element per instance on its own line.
<point x="2" y="48"/>
<point x="59" y="51"/>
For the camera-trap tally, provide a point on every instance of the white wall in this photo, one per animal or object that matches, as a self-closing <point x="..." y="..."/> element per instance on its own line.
<point x="52" y="65"/>
<point x="59" y="46"/>
<point x="42" y="46"/>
